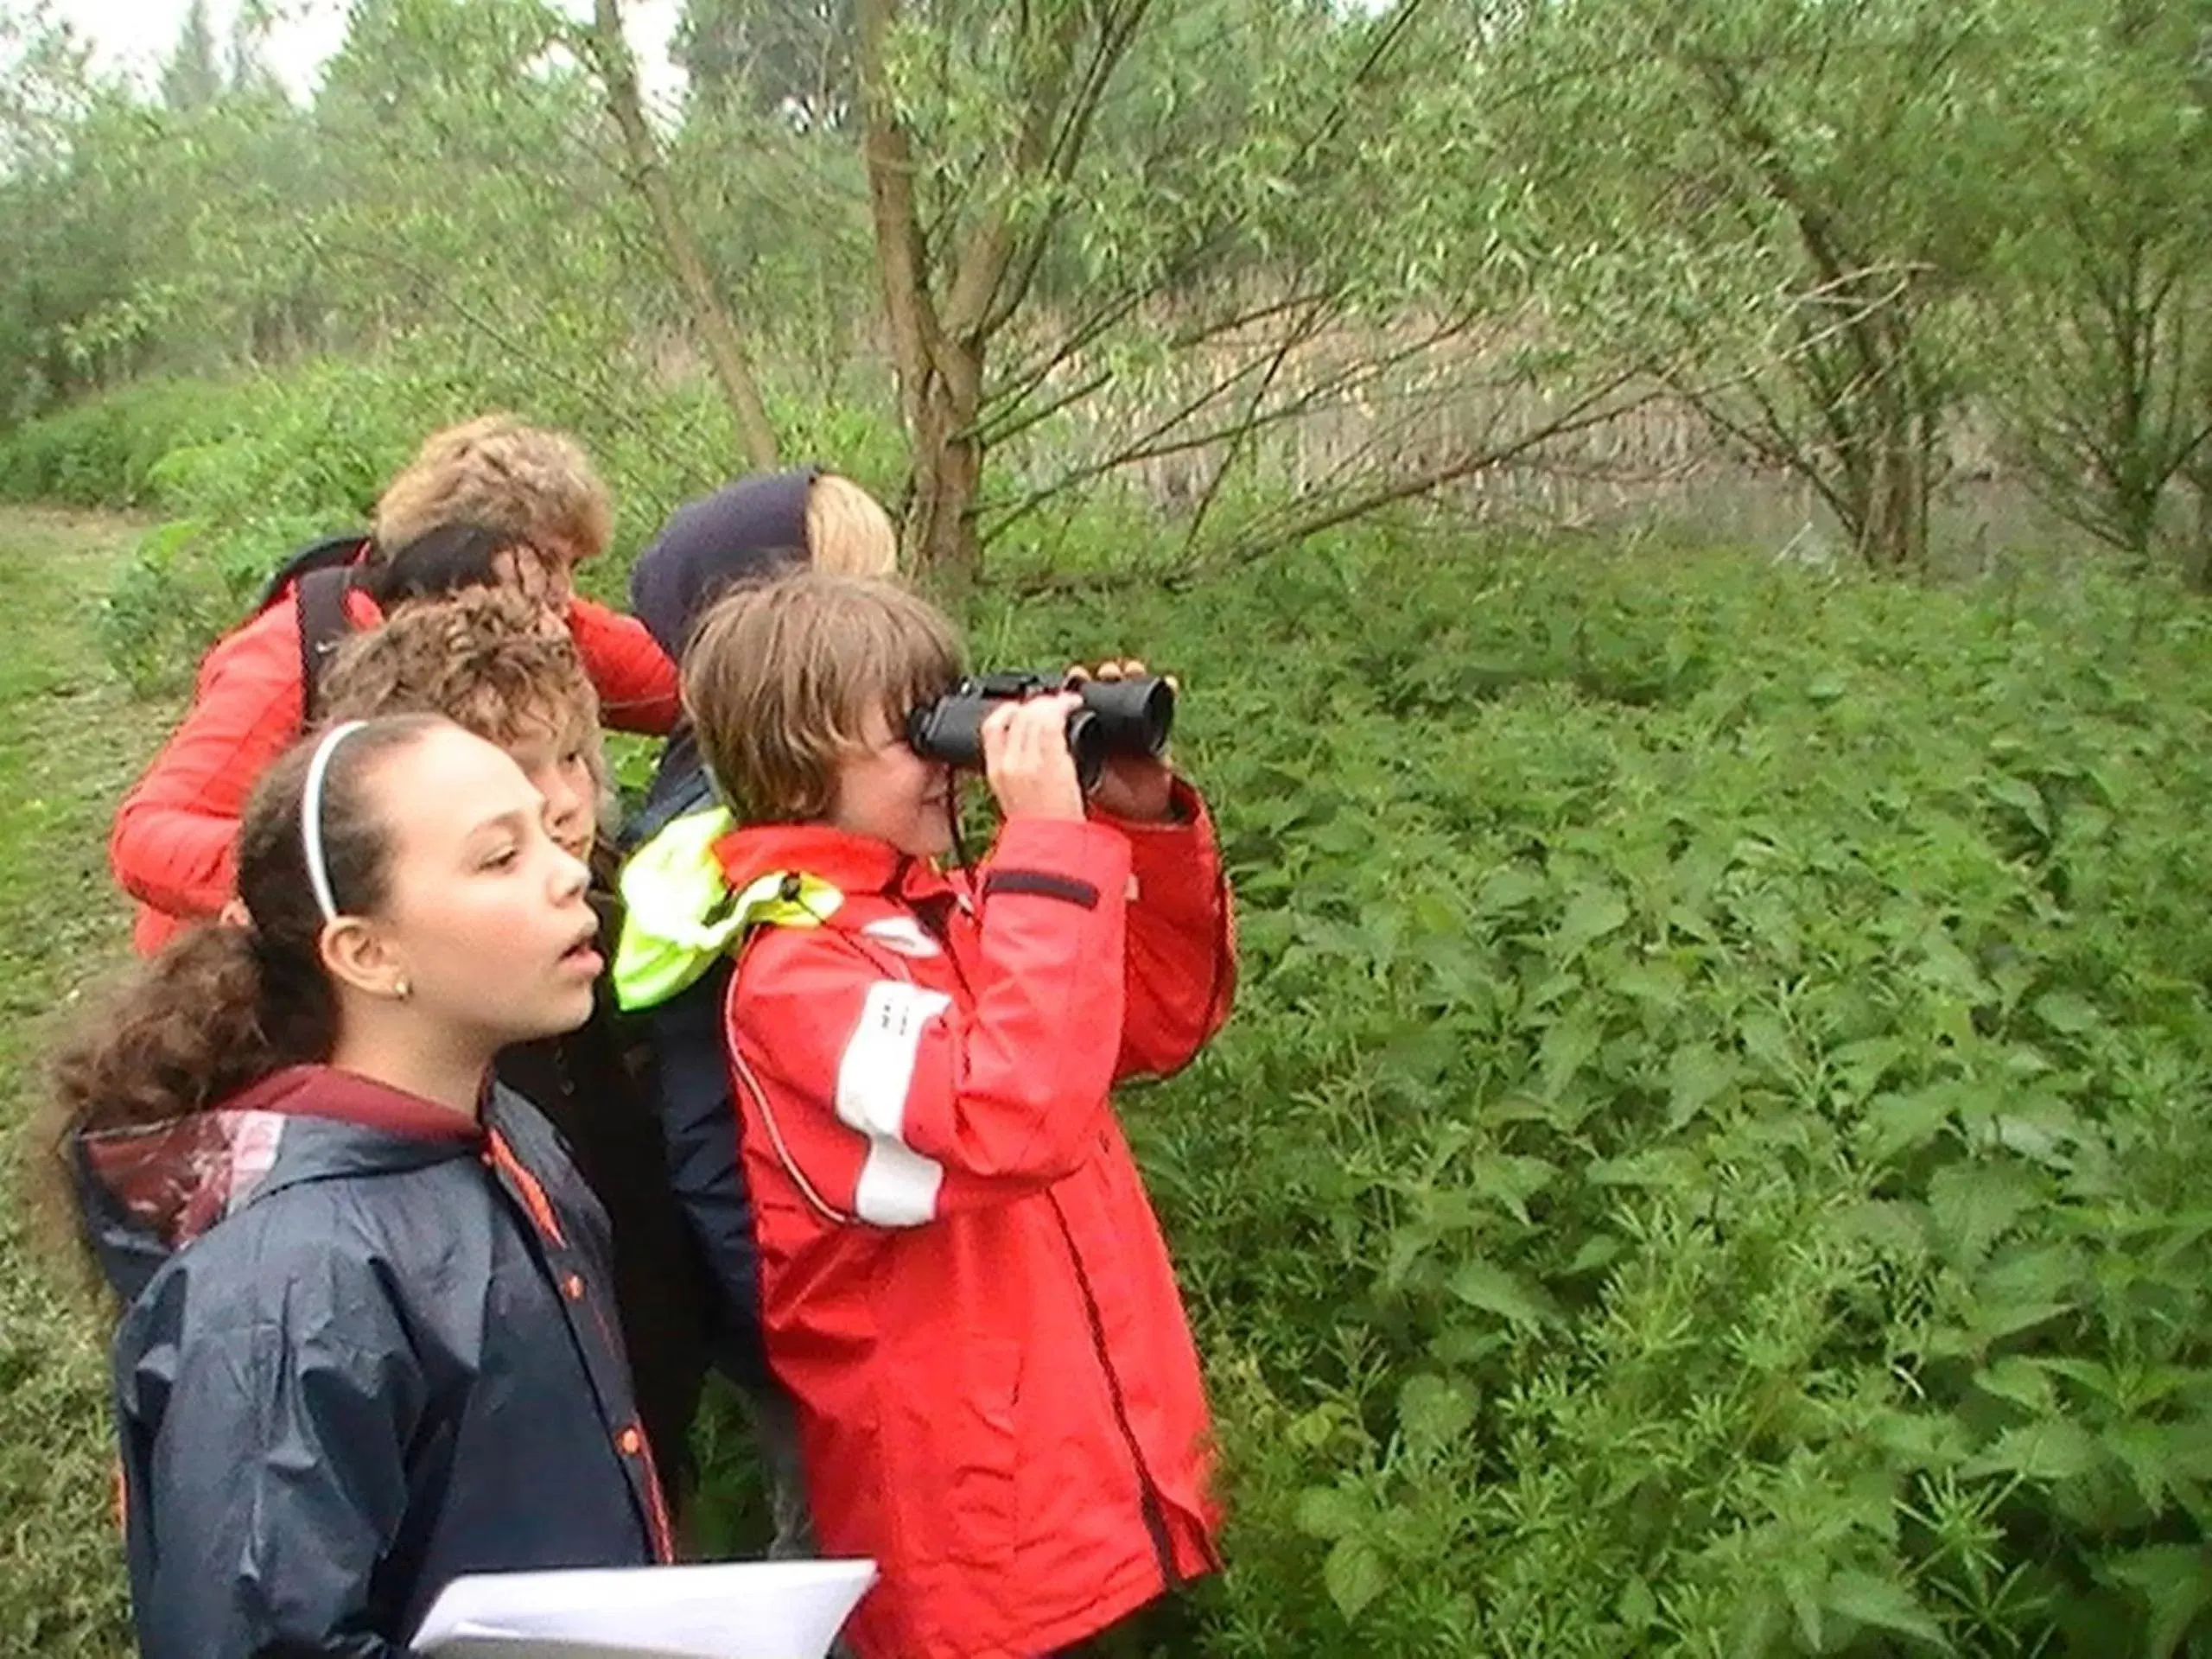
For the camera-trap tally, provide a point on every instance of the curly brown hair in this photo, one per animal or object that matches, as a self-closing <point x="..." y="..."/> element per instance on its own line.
<point x="520" y="480"/>
<point x="222" y="1006"/>
<point x="489" y="659"/>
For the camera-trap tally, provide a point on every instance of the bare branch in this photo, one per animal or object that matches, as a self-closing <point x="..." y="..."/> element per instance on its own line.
<point x="609" y="51"/>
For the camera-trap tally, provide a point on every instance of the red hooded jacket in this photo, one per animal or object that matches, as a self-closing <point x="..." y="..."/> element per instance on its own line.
<point x="171" y="845"/>
<point x="962" y="1284"/>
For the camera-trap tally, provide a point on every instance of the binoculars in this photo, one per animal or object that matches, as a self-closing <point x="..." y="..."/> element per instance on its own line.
<point x="1131" y="716"/>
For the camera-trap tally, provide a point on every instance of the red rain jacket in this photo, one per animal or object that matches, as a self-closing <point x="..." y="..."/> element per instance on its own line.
<point x="170" y="848"/>
<point x="962" y="1284"/>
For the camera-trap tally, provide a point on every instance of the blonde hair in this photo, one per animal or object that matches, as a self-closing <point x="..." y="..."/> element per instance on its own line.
<point x="536" y="485"/>
<point x="486" y="659"/>
<point x="847" y="532"/>
<point x="781" y="677"/>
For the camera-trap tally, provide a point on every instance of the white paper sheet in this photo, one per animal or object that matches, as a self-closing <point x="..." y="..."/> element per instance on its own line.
<point x="480" y="1642"/>
<point x="738" y="1609"/>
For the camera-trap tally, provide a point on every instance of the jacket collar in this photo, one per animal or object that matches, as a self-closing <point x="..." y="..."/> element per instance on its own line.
<point x="682" y="912"/>
<point x="325" y="1091"/>
<point x="848" y="863"/>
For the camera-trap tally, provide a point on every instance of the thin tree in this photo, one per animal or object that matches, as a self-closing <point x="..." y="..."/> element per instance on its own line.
<point x="646" y="171"/>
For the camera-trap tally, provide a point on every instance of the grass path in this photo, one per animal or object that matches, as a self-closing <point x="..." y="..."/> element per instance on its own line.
<point x="70" y="741"/>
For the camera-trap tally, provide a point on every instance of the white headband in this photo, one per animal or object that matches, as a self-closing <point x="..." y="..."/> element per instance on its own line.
<point x="311" y="815"/>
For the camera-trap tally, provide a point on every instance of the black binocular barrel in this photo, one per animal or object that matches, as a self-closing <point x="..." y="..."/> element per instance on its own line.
<point x="1137" y="713"/>
<point x="1131" y="716"/>
<point x="952" y="730"/>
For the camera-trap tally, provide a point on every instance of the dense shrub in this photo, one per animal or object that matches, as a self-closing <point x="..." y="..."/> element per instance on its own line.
<point x="241" y="472"/>
<point x="1709" y="1159"/>
<point x="102" y="454"/>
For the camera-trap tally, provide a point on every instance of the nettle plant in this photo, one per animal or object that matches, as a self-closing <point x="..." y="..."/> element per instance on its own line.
<point x="1710" y="1155"/>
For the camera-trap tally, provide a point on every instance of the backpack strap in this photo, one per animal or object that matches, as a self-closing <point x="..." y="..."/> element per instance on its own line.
<point x="319" y="601"/>
<point x="345" y="548"/>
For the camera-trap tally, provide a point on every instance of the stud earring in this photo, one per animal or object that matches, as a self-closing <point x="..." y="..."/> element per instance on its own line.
<point x="401" y="988"/>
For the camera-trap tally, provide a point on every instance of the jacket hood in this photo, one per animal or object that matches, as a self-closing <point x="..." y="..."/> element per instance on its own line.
<point x="753" y="528"/>
<point x="149" y="1190"/>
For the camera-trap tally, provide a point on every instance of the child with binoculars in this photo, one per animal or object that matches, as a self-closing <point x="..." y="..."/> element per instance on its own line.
<point x="962" y="1285"/>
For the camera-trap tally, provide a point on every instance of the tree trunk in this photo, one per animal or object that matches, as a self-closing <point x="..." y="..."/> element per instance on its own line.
<point x="940" y="380"/>
<point x="726" y="349"/>
<point x="1896" y="535"/>
<point x="947" y="478"/>
<point x="2201" y="563"/>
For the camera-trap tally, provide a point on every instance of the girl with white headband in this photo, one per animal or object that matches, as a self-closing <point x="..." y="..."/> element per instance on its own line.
<point x="365" y="1346"/>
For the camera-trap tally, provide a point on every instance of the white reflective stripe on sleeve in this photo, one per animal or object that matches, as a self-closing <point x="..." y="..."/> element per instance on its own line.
<point x="898" y="1185"/>
<point x="878" y="1066"/>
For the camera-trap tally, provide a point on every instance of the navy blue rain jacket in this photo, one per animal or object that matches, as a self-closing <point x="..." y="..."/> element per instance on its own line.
<point x="368" y="1347"/>
<point x="748" y="531"/>
<point x="699" y="1124"/>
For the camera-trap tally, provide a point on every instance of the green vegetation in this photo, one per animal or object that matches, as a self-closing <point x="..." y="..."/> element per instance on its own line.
<point x="69" y="745"/>
<point x="1270" y="263"/>
<point x="1711" y="1158"/>
<point x="1711" y="1155"/>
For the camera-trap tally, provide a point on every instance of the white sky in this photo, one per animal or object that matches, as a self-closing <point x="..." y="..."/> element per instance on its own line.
<point x="137" y="35"/>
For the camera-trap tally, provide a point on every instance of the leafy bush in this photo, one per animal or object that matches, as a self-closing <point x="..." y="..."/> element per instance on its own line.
<point x="102" y="454"/>
<point x="1709" y="1158"/>
<point x="183" y="586"/>
<point x="246" y="471"/>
